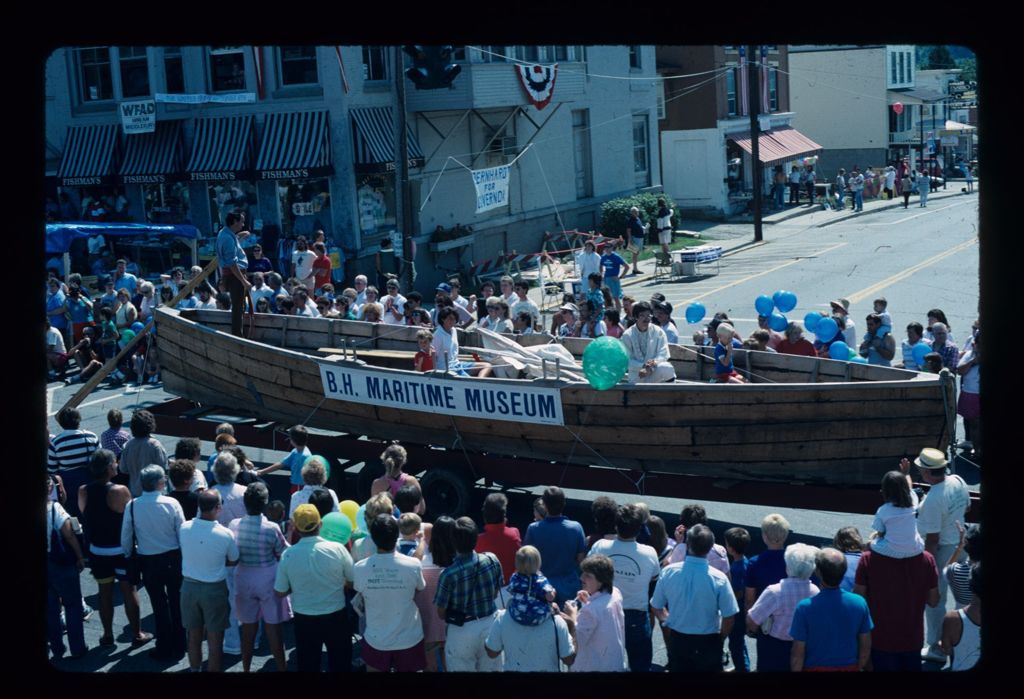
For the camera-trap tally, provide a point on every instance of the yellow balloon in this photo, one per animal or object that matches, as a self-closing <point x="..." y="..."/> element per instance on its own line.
<point x="349" y="509"/>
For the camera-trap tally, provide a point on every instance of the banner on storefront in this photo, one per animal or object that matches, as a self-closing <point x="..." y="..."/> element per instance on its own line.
<point x="232" y="98"/>
<point x="491" y="187"/>
<point x="538" y="81"/>
<point x="138" y="116"/>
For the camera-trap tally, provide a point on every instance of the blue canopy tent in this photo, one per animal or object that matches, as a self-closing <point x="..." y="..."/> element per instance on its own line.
<point x="60" y="235"/>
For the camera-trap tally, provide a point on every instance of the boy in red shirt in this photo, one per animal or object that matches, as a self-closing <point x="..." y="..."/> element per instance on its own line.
<point x="321" y="266"/>
<point x="424" y="359"/>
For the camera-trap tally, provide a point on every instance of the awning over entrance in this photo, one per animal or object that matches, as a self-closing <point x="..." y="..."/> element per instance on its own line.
<point x="778" y="145"/>
<point x="90" y="153"/>
<point x="152" y="158"/>
<point x="223" y="149"/>
<point x="295" y="144"/>
<point x="375" y="141"/>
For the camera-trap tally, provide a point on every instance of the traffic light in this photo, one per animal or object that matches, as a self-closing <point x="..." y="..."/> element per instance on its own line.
<point x="432" y="67"/>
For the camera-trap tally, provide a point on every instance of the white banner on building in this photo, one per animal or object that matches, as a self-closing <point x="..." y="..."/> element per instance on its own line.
<point x="138" y="116"/>
<point x="458" y="397"/>
<point x="232" y="98"/>
<point x="491" y="187"/>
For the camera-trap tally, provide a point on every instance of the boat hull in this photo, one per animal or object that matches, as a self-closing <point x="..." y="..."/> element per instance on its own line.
<point x="847" y="432"/>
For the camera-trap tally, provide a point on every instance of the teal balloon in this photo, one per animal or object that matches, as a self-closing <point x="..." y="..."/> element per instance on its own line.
<point x="777" y="322"/>
<point x="785" y="301"/>
<point x="336" y="527"/>
<point x="826" y="329"/>
<point x="839" y="350"/>
<point x="361" y="520"/>
<point x="919" y="352"/>
<point x="605" y="362"/>
<point x="126" y="336"/>
<point x="764" y="305"/>
<point x="859" y="360"/>
<point x="852" y="354"/>
<point x="811" y="320"/>
<point x="695" y="312"/>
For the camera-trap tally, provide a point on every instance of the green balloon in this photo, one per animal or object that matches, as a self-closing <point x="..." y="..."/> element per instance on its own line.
<point x="336" y="527"/>
<point x="605" y="362"/>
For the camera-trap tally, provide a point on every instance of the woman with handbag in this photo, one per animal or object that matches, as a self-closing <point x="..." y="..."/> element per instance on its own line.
<point x="102" y="504"/>
<point x="63" y="564"/>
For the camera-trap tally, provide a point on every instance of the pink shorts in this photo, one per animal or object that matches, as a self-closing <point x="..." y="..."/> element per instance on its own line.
<point x="255" y="597"/>
<point x="406" y="660"/>
<point x="969" y="405"/>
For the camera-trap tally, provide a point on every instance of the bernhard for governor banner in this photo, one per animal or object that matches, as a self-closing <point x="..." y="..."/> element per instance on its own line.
<point x="491" y="187"/>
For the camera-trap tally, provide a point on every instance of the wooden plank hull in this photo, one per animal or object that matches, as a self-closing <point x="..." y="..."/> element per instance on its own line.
<point x="848" y="427"/>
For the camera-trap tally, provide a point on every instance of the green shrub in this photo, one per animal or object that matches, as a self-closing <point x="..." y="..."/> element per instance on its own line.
<point x="615" y="213"/>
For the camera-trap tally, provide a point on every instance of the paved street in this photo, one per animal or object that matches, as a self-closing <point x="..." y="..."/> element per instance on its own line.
<point x="917" y="258"/>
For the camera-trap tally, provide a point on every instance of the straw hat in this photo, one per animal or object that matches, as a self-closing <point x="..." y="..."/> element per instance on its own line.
<point x="931" y="460"/>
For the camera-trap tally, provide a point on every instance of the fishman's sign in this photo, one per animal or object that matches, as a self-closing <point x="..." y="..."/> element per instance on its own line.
<point x="458" y="397"/>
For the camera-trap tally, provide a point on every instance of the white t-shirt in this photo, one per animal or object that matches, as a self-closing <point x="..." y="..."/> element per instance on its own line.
<point x="303" y="264"/>
<point x="301" y="497"/>
<point x="205" y="548"/>
<point x="56" y="514"/>
<point x="589" y="262"/>
<point x="388" y="583"/>
<point x="54" y="341"/>
<point x="397" y="302"/>
<point x="899" y="529"/>
<point x="446" y="347"/>
<point x="943" y="506"/>
<point x="635" y="566"/>
<point x="529" y="648"/>
<point x="969" y="382"/>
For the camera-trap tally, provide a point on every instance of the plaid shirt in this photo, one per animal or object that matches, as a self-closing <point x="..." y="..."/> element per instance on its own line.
<point x="779" y="602"/>
<point x="470" y="584"/>
<point x="114" y="440"/>
<point x="950" y="355"/>
<point x="260" y="541"/>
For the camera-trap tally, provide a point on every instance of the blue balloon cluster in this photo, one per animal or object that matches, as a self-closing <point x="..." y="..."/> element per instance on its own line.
<point x="785" y="301"/>
<point x="826" y="329"/>
<point x="811" y="320"/>
<point x="764" y="305"/>
<point x="777" y="322"/>
<point x="839" y="350"/>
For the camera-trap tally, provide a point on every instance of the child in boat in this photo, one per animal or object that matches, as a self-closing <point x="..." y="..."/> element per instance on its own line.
<point x="895" y="522"/>
<point x="725" y="372"/>
<point x="531" y="593"/>
<point x="424" y="359"/>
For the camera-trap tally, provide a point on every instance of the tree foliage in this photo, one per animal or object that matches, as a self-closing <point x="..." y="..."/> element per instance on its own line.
<point x="939" y="58"/>
<point x="615" y="213"/>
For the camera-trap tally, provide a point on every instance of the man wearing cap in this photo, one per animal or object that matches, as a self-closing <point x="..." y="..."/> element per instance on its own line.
<point x="647" y="347"/>
<point x="394" y="304"/>
<point x="233" y="263"/>
<point x="315" y="572"/>
<point x="442" y="298"/>
<point x="208" y="549"/>
<point x="937" y="517"/>
<point x="841" y="314"/>
<point x="563" y="323"/>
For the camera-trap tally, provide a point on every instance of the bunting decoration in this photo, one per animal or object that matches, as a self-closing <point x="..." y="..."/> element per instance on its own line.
<point x="538" y="81"/>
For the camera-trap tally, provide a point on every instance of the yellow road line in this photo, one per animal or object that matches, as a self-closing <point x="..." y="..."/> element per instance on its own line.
<point x="875" y="288"/>
<point x="761" y="274"/>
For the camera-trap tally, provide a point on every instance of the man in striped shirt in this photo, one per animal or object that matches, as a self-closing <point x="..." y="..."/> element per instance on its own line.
<point x="69" y="454"/>
<point x="260" y="546"/>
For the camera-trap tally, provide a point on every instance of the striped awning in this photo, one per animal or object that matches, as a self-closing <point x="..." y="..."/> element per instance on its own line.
<point x="778" y="145"/>
<point x="154" y="157"/>
<point x="223" y="149"/>
<point x="375" y="141"/>
<point x="295" y="144"/>
<point x="89" y="157"/>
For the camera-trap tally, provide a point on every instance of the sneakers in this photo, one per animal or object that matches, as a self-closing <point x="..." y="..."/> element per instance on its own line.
<point x="86" y="611"/>
<point x="934" y="655"/>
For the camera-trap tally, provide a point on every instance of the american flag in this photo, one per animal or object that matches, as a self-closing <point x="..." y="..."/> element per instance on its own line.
<point x="341" y="66"/>
<point x="766" y="105"/>
<point x="744" y="98"/>
<point x="257" y="60"/>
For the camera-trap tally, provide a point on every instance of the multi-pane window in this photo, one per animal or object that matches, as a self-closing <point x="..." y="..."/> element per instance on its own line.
<point x="298" y="65"/>
<point x="134" y="71"/>
<point x="227" y="68"/>
<point x="892" y="68"/>
<point x="94" y="75"/>
<point x="902" y="73"/>
<point x="910" y="69"/>
<point x="492" y="54"/>
<point x="174" y="74"/>
<point x="641" y="154"/>
<point x="558" y="53"/>
<point x="529" y="54"/>
<point x="773" y="89"/>
<point x="375" y="63"/>
<point x="730" y="92"/>
<point x="634" y="57"/>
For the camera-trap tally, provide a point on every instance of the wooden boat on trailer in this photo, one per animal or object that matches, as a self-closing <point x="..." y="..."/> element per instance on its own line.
<point x="800" y="420"/>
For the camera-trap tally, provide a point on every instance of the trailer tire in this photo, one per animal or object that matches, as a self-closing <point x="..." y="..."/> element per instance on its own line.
<point x="446" y="492"/>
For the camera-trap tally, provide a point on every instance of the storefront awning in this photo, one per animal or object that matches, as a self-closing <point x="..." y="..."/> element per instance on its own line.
<point x="778" y="145"/>
<point x="154" y="157"/>
<point x="222" y="149"/>
<point x="295" y="144"/>
<point x="60" y="235"/>
<point x="375" y="141"/>
<point x="90" y="153"/>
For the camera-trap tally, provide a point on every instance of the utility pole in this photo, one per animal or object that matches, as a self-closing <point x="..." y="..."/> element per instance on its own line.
<point x="754" y="99"/>
<point x="404" y="211"/>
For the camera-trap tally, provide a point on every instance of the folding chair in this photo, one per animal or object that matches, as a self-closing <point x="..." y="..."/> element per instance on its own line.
<point x="662" y="265"/>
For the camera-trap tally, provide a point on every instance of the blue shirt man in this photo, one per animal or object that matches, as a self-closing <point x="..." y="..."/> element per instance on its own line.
<point x="562" y="546"/>
<point x="123" y="279"/>
<point x="232" y="262"/>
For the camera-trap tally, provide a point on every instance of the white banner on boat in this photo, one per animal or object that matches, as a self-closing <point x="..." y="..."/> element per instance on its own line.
<point x="458" y="397"/>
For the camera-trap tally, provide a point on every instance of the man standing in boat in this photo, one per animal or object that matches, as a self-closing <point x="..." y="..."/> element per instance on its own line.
<point x="233" y="263"/>
<point x="648" y="349"/>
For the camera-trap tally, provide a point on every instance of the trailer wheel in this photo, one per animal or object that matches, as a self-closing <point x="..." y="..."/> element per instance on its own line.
<point x="371" y="471"/>
<point x="446" y="492"/>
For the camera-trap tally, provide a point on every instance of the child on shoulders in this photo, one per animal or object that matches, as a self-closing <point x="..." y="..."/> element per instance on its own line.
<point x="531" y="593"/>
<point x="895" y="522"/>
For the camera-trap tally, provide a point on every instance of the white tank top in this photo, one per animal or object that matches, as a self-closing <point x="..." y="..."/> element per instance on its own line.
<point x="968" y="651"/>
